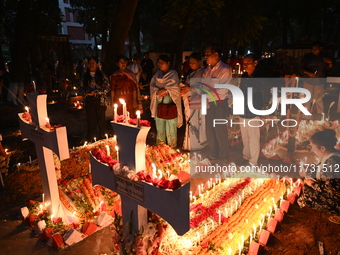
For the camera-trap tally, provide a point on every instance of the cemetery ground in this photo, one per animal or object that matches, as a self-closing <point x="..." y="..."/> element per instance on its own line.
<point x="300" y="232"/>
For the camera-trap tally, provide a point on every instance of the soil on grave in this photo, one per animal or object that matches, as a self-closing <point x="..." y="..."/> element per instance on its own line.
<point x="300" y="232"/>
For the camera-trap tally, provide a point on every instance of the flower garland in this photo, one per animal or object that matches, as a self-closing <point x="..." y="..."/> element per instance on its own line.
<point x="26" y="116"/>
<point x="161" y="183"/>
<point x="166" y="159"/>
<point x="252" y="208"/>
<point x="80" y="197"/>
<point x="211" y="210"/>
<point x="146" y="123"/>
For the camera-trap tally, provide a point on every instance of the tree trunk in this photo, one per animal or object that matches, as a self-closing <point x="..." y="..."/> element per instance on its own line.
<point x="179" y="45"/>
<point x="135" y="32"/>
<point x="119" y="32"/>
<point x="2" y="61"/>
<point x="19" y="49"/>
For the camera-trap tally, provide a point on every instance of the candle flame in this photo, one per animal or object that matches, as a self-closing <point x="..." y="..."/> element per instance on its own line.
<point x="138" y="114"/>
<point x="115" y="106"/>
<point x="26" y="108"/>
<point x="122" y="101"/>
<point x="116" y="147"/>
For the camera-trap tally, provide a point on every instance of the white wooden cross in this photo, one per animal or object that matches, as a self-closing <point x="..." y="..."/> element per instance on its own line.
<point x="46" y="142"/>
<point x="138" y="197"/>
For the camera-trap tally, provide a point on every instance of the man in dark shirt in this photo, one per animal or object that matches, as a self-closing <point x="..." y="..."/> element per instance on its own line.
<point x="313" y="66"/>
<point x="250" y="123"/>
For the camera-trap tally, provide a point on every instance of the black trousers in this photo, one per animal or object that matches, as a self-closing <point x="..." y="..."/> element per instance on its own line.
<point x="217" y="136"/>
<point x="95" y="115"/>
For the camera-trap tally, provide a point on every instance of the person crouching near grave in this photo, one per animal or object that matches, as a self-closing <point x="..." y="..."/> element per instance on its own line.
<point x="165" y="103"/>
<point x="321" y="190"/>
<point x="95" y="86"/>
<point x="261" y="97"/>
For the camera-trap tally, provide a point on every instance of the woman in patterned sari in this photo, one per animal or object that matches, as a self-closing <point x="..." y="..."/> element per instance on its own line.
<point x="322" y="184"/>
<point x="124" y="86"/>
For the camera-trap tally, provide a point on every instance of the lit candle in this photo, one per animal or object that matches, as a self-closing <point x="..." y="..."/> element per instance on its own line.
<point x="212" y="224"/>
<point x="239" y="249"/>
<point x="47" y="121"/>
<point x="122" y="101"/>
<point x="34" y="86"/>
<point x="199" y="189"/>
<point x="254" y="227"/>
<point x="95" y="139"/>
<point x="74" y="216"/>
<point x="27" y="110"/>
<point x="242" y="242"/>
<point x="250" y="237"/>
<point x="115" y="138"/>
<point x="261" y="223"/>
<point x="30" y="159"/>
<point x="107" y="137"/>
<point x="323" y="117"/>
<point x="153" y="170"/>
<point x="127" y="115"/>
<point x="138" y="118"/>
<point x="107" y="150"/>
<point x="85" y="143"/>
<point x="115" y="107"/>
<point x="43" y="198"/>
<point x="117" y="151"/>
<point x="200" y="157"/>
<point x="41" y="207"/>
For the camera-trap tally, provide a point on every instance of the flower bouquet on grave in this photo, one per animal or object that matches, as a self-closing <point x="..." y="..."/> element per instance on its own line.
<point x="27" y="117"/>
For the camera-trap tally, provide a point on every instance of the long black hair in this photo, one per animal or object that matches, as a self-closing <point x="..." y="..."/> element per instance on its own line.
<point x="98" y="77"/>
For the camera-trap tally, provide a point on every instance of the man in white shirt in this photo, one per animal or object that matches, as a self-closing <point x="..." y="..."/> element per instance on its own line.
<point x="217" y="72"/>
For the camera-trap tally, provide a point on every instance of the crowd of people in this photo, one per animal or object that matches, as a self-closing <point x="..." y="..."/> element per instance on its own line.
<point x="174" y="102"/>
<point x="322" y="188"/>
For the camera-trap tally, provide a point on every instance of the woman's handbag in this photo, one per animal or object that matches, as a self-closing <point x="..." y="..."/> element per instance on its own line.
<point x="167" y="111"/>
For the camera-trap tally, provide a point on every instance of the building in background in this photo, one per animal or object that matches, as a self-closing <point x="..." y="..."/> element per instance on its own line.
<point x="82" y="44"/>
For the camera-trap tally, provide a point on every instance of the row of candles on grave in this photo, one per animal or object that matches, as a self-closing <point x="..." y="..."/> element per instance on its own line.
<point x="126" y="114"/>
<point x="252" y="235"/>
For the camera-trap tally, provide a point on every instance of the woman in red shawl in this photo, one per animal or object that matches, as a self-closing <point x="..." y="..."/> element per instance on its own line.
<point x="123" y="86"/>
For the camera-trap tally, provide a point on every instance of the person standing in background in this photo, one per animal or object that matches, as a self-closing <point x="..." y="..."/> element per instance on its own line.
<point x="217" y="72"/>
<point x="313" y="66"/>
<point x="164" y="88"/>
<point x="195" y="136"/>
<point x="95" y="86"/>
<point x="123" y="86"/>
